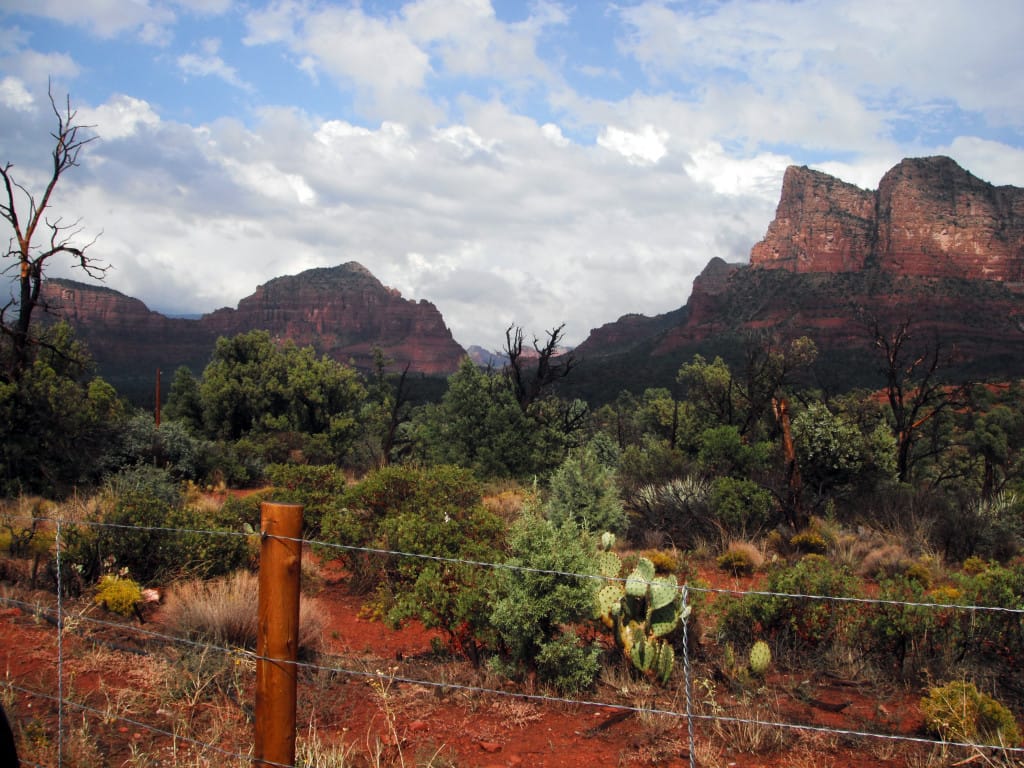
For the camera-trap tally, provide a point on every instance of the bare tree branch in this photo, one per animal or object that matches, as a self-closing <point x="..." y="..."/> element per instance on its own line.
<point x="530" y="381"/>
<point x="28" y="227"/>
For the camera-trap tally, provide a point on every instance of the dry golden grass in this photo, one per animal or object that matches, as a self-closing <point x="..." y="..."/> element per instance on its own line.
<point x="224" y="611"/>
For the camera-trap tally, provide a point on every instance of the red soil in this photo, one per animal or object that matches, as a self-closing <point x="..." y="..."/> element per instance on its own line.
<point x="452" y="716"/>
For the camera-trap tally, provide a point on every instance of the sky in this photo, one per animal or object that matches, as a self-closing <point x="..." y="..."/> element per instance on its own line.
<point x="528" y="163"/>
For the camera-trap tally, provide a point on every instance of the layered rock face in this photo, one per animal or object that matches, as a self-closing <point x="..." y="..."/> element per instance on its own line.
<point x="122" y="334"/>
<point x="936" y="219"/>
<point x="928" y="218"/>
<point x="934" y="245"/>
<point x="343" y="312"/>
<point x="821" y="224"/>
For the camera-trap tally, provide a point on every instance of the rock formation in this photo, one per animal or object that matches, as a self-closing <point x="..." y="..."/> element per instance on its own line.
<point x="928" y="218"/>
<point x="933" y="245"/>
<point x="343" y="312"/>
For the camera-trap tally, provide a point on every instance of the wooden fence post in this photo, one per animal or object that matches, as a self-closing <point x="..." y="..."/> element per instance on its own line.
<point x="277" y="641"/>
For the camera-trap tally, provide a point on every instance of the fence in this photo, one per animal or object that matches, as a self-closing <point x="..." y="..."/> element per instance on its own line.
<point x="48" y="711"/>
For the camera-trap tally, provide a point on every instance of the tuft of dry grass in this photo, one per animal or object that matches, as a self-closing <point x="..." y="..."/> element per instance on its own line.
<point x="741" y="558"/>
<point x="224" y="611"/>
<point x="884" y="560"/>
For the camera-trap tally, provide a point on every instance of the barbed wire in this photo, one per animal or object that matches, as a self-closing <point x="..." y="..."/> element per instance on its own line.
<point x="689" y="716"/>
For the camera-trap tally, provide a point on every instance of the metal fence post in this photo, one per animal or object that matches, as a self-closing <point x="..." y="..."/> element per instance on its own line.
<point x="687" y="677"/>
<point x="277" y="642"/>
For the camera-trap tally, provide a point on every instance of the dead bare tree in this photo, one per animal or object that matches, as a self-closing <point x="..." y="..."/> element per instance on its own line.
<point x="530" y="376"/>
<point x="36" y="238"/>
<point x="914" y="389"/>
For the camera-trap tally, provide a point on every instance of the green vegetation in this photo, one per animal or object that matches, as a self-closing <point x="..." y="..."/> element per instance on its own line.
<point x="540" y="600"/>
<point x="477" y="512"/>
<point x="118" y="594"/>
<point x="958" y="711"/>
<point x="643" y="613"/>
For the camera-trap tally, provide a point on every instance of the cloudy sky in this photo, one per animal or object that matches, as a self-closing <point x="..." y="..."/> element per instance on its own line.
<point x="511" y="162"/>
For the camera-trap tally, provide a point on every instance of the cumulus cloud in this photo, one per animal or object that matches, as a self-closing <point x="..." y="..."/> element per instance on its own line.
<point x="120" y="117"/>
<point x="15" y="95"/>
<point x="645" y="146"/>
<point x="149" y="21"/>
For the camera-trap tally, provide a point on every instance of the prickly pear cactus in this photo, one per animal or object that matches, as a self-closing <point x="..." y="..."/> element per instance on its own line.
<point x="760" y="658"/>
<point x="607" y="540"/>
<point x="639" y="581"/>
<point x="641" y="614"/>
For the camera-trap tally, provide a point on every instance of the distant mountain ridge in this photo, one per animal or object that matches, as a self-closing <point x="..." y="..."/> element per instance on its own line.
<point x="933" y="245"/>
<point x="343" y="312"/>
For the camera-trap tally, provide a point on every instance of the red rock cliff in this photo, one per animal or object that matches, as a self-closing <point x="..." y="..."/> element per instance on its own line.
<point x="928" y="218"/>
<point x="343" y="312"/>
<point x="821" y="224"/>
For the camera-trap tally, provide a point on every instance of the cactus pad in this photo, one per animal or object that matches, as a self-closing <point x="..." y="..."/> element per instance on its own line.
<point x="760" y="657"/>
<point x="608" y="598"/>
<point x="664" y="591"/>
<point x="640" y="579"/>
<point x="608" y="564"/>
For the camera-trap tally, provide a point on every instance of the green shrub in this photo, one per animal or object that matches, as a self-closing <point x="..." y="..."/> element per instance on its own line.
<point x="809" y="542"/>
<point x="957" y="711"/>
<point x="319" y="488"/>
<point x="664" y="561"/>
<point x="920" y="573"/>
<point x="135" y="533"/>
<point x="909" y="639"/>
<point x="568" y="665"/>
<point x="741" y="507"/>
<point x="118" y="595"/>
<point x="794" y="623"/>
<point x="994" y="638"/>
<point x="151" y="532"/>
<point x="245" y="511"/>
<point x="974" y="565"/>
<point x="584" y="490"/>
<point x="532" y="607"/>
<point x="437" y="512"/>
<point x="209" y="542"/>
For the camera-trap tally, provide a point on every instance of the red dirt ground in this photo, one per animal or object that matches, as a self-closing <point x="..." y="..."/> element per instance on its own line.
<point x="470" y="728"/>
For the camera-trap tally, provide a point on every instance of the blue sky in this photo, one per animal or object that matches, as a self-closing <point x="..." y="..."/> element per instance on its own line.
<point x="531" y="163"/>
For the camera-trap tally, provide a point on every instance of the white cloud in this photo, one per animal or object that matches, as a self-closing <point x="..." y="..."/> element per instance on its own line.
<point x="265" y="179"/>
<point x="119" y="118"/>
<point x="276" y="23"/>
<point x="830" y="72"/>
<point x="207" y="63"/>
<point x="205" y="7"/>
<point x="372" y="56"/>
<point x="644" y="146"/>
<point x="149" y="21"/>
<point x="15" y="95"/>
<point x="442" y="145"/>
<point x="470" y="40"/>
<point x="729" y="175"/>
